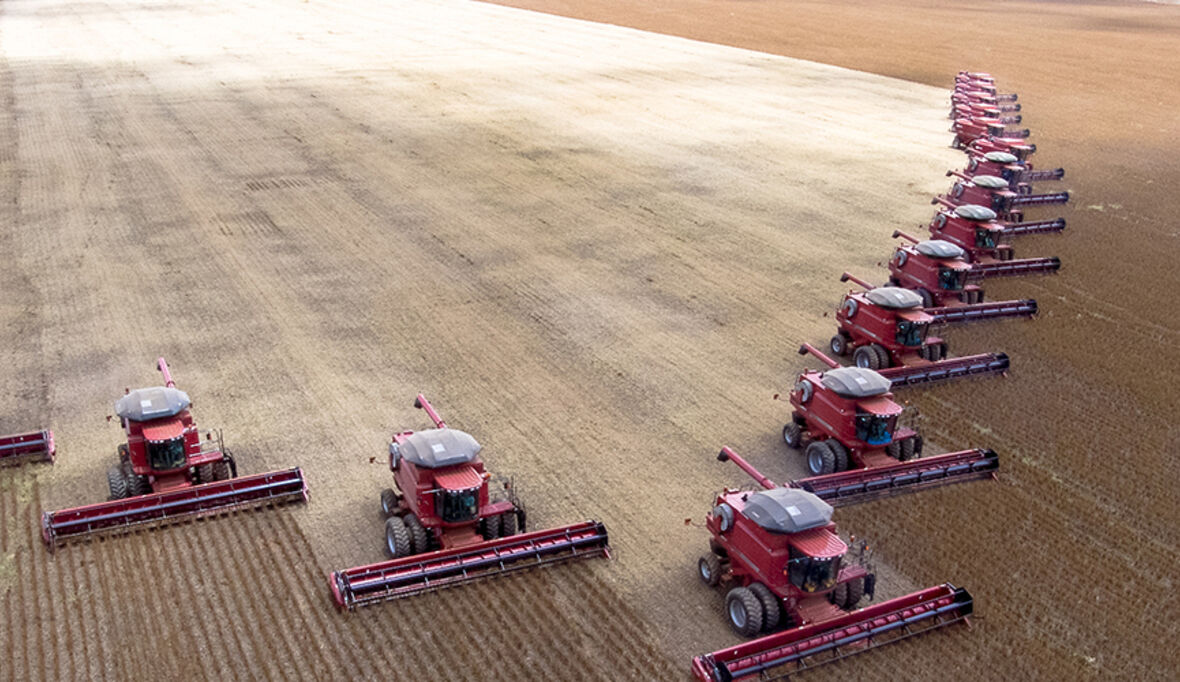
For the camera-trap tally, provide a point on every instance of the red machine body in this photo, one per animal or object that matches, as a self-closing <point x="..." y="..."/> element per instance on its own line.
<point x="975" y="229"/>
<point x="885" y="327"/>
<point x="1018" y="148"/>
<point x="1009" y="167"/>
<point x="446" y="525"/>
<point x="971" y="128"/>
<point x="792" y="577"/>
<point x="995" y="193"/>
<point x="939" y="272"/>
<point x="20" y="448"/>
<point x="166" y="472"/>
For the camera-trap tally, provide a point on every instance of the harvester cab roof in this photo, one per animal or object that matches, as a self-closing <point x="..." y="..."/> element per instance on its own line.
<point x="894" y="298"/>
<point x="855" y="382"/>
<point x="940" y="249"/>
<point x="436" y="448"/>
<point x="787" y="510"/>
<point x="146" y="404"/>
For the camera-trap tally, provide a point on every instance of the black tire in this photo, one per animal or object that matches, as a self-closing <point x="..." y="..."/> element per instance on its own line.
<point x="856" y="591"/>
<point x="709" y="569"/>
<point x="883" y="359"/>
<point x="205" y="474"/>
<point x="744" y="611"/>
<point x="221" y="470"/>
<point x="839" y="344"/>
<point x="839" y="594"/>
<point x="419" y="538"/>
<point x="820" y="458"/>
<point x="909" y="448"/>
<point x="116" y="484"/>
<point x="841" y="454"/>
<point x="389" y="503"/>
<point x="772" y="609"/>
<point x="490" y="527"/>
<point x="508" y="524"/>
<point x="866" y="358"/>
<point x="927" y="298"/>
<point x="397" y="538"/>
<point x="137" y="485"/>
<point x="894" y="450"/>
<point x="793" y="435"/>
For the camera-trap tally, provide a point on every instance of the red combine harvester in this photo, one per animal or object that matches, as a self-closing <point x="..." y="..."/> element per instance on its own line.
<point x="963" y="100"/>
<point x="1008" y="166"/>
<point x="889" y="326"/>
<point x="167" y="474"/>
<point x="971" y="109"/>
<point x="970" y="129"/>
<point x="447" y="528"/>
<point x="792" y="577"/>
<point x="20" y="448"/>
<point x="1018" y="148"/>
<point x="845" y="418"/>
<point x="940" y="273"/>
<point x="995" y="193"/>
<point x="975" y="229"/>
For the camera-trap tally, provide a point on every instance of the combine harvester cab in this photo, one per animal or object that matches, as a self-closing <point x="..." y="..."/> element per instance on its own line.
<point x="994" y="193"/>
<point x="793" y="580"/>
<point x="884" y="327"/>
<point x="845" y="418"/>
<point x="21" y="448"/>
<point x="975" y="229"/>
<point x="167" y="474"/>
<point x="939" y="272"/>
<point x="1009" y="167"/>
<point x="448" y="527"/>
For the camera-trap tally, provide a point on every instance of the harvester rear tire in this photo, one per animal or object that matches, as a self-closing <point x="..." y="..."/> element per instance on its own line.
<point x="744" y="611"/>
<point x="138" y="485"/>
<point x="419" y="539"/>
<point x="841" y="454"/>
<point x="793" y="435"/>
<point x="839" y="344"/>
<point x="389" y="503"/>
<point x="205" y="473"/>
<point x="820" y="458"/>
<point x="397" y="538"/>
<point x="709" y="569"/>
<point x="490" y="527"/>
<point x="856" y="590"/>
<point x="839" y="595"/>
<point x="866" y="358"/>
<point x="772" y="611"/>
<point x="221" y="470"/>
<point x="507" y="524"/>
<point x="116" y="483"/>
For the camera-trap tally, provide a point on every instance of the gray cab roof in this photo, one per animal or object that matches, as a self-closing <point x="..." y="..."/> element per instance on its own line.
<point x="894" y="297"/>
<point x="855" y="382"/>
<point x="144" y="404"/>
<point x="937" y="248"/>
<point x="989" y="181"/>
<point x="975" y="212"/>
<point x="787" y="510"/>
<point x="436" y="448"/>
<point x="1000" y="157"/>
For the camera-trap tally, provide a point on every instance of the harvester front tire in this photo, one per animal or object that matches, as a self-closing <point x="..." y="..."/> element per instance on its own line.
<point x="908" y="448"/>
<point x="709" y="569"/>
<point x="397" y="538"/>
<point x="138" y="485"/>
<point x="116" y="483"/>
<point x="491" y="527"/>
<point x="820" y="458"/>
<point x="793" y="435"/>
<point x="389" y="503"/>
<point x="839" y="594"/>
<point x="507" y="524"/>
<point x="744" y="611"/>
<point x="866" y="357"/>
<point x="839" y="344"/>
<point x="419" y="540"/>
<point x="772" y="611"/>
<point x="221" y="470"/>
<point x="841" y="454"/>
<point x="856" y="591"/>
<point x="205" y="473"/>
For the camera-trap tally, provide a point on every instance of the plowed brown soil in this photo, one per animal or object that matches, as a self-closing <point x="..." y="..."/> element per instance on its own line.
<point x="595" y="249"/>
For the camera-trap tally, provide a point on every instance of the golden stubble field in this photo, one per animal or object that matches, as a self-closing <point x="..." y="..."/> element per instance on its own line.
<point x="596" y="250"/>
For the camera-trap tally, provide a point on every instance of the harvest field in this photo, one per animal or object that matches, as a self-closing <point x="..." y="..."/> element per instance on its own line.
<point x="596" y="249"/>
